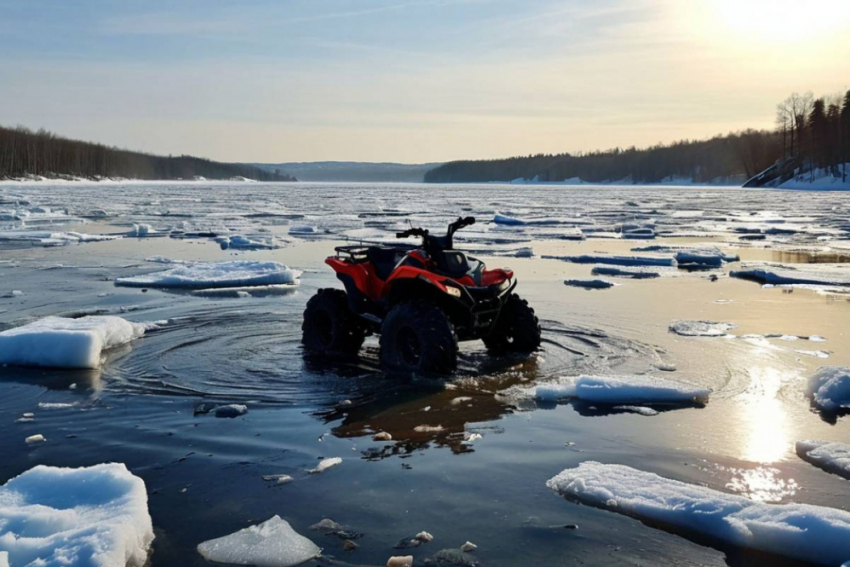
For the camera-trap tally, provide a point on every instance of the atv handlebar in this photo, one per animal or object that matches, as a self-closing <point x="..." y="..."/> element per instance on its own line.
<point x="412" y="232"/>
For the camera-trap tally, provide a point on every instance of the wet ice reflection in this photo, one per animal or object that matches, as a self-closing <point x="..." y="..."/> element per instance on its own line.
<point x="764" y="431"/>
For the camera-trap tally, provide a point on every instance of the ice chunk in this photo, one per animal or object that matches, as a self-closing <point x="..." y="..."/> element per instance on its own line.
<point x="640" y="410"/>
<point x="800" y="274"/>
<point x="240" y="242"/>
<point x="701" y="328"/>
<point x="589" y="284"/>
<point x="798" y="531"/>
<point x="400" y="561"/>
<point x="95" y="516"/>
<point x="303" y="230"/>
<point x="232" y="410"/>
<point x="830" y="456"/>
<point x="617" y="272"/>
<point x="615" y="260"/>
<point x="506" y="220"/>
<point x="239" y="273"/>
<point x="278" y="478"/>
<point x="325" y="464"/>
<point x="829" y="388"/>
<point x="271" y="544"/>
<point x="58" y="342"/>
<point x="37" y="438"/>
<point x="626" y="390"/>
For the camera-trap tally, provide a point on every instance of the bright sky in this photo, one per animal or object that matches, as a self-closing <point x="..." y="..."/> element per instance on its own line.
<point x="410" y="80"/>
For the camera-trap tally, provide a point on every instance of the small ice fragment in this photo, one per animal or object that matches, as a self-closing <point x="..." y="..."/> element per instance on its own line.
<point x="54" y="405"/>
<point x="589" y="284"/>
<point x="325" y="465"/>
<point x="472" y="437"/>
<point x="349" y="545"/>
<point x="28" y="414"/>
<point x="382" y="436"/>
<point x="424" y="537"/>
<point x="278" y="478"/>
<point x="468" y="546"/>
<point x="230" y="411"/>
<point x="37" y="438"/>
<point x="15" y="293"/>
<point x="459" y="400"/>
<point x="271" y="544"/>
<point x="640" y="410"/>
<point x="399" y="561"/>
<point x="428" y="428"/>
<point x="326" y="524"/>
<point x="701" y="328"/>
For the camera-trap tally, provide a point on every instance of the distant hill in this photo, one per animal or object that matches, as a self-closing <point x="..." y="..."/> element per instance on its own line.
<point x="353" y="171"/>
<point x="26" y="154"/>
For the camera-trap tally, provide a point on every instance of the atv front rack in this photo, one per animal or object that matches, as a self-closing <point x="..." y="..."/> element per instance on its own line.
<point x="357" y="253"/>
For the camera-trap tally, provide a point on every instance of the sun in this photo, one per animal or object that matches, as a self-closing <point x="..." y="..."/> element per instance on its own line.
<point x="779" y="20"/>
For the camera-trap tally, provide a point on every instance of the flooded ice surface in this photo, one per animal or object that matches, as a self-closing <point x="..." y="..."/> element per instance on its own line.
<point x="465" y="459"/>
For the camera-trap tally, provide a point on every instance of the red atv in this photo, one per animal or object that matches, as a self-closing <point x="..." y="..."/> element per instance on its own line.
<point x="421" y="300"/>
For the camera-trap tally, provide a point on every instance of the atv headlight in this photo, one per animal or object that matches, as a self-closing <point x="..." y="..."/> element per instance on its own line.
<point x="453" y="291"/>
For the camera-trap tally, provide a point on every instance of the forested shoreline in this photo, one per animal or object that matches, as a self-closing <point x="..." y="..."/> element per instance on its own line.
<point x="811" y="134"/>
<point x="25" y="154"/>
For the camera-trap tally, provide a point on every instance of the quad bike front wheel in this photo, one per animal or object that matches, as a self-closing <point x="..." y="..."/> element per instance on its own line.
<point x="329" y="325"/>
<point x="418" y="337"/>
<point x="517" y="329"/>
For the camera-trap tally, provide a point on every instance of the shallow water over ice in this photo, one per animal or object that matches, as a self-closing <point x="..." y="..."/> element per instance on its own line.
<point x="204" y="475"/>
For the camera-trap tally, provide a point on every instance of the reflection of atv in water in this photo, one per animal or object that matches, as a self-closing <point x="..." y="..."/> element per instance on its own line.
<point x="422" y="301"/>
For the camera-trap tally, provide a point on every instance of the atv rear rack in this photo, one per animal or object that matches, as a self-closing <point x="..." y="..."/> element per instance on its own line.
<point x="356" y="253"/>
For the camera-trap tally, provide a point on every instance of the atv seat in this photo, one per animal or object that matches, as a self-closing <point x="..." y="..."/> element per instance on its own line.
<point x="456" y="264"/>
<point x="384" y="260"/>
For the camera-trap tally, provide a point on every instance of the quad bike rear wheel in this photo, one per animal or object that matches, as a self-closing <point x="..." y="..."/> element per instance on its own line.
<point x="329" y="325"/>
<point x="517" y="329"/>
<point x="418" y="337"/>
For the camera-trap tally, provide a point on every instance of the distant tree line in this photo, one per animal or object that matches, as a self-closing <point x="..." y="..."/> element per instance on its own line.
<point x="26" y="153"/>
<point x="810" y="134"/>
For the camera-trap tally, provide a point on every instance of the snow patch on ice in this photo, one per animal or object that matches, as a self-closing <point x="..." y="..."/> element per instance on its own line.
<point x="271" y="544"/>
<point x="325" y="464"/>
<point x="239" y="273"/>
<point x="96" y="516"/>
<point x="798" y="531"/>
<point x="57" y="342"/>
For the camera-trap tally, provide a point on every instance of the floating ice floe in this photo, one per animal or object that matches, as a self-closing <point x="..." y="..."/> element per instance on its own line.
<point x="239" y="273"/>
<point x="325" y="464"/>
<point x="303" y="230"/>
<point x="617" y="272"/>
<point x="622" y="390"/>
<point x="57" y="342"/>
<point x="271" y="544"/>
<point x="95" y="516"/>
<point x="589" y="284"/>
<point x="829" y="388"/>
<point x="499" y="218"/>
<point x="701" y="328"/>
<point x="142" y="230"/>
<point x="615" y="260"/>
<point x="800" y="274"/>
<point x="42" y="238"/>
<point x="239" y="242"/>
<point x="798" y="531"/>
<point x="830" y="456"/>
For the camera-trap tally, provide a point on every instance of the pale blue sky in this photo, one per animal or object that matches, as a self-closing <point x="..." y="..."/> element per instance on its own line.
<point x="408" y="80"/>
